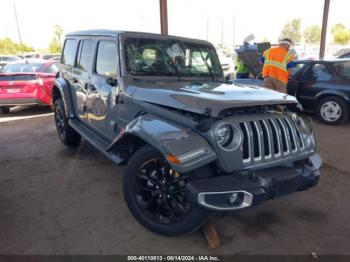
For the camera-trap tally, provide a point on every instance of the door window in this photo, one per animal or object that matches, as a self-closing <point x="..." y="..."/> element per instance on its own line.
<point x="70" y="48"/>
<point x="319" y="72"/>
<point x="106" y="59"/>
<point x="84" y="54"/>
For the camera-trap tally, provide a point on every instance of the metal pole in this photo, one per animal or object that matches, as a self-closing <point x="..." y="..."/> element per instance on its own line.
<point x="207" y="29"/>
<point x="233" y="32"/>
<point x="19" y="32"/>
<point x="324" y="28"/>
<point x="163" y="6"/>
<point x="222" y="31"/>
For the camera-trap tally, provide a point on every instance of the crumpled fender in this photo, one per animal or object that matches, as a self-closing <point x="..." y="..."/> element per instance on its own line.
<point x="171" y="139"/>
<point x="63" y="87"/>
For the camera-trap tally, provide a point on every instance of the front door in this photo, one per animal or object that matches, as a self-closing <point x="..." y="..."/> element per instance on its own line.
<point x="103" y="89"/>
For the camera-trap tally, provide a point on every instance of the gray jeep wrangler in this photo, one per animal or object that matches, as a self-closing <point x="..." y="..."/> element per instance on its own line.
<point x="192" y="143"/>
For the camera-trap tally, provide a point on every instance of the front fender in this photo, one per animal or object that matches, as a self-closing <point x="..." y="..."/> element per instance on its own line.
<point x="64" y="89"/>
<point x="171" y="139"/>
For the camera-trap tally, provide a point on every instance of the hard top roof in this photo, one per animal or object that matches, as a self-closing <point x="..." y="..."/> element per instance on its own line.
<point x="325" y="60"/>
<point x="115" y="33"/>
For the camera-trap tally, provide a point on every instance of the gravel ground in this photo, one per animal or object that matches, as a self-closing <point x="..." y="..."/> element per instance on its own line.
<point x="55" y="200"/>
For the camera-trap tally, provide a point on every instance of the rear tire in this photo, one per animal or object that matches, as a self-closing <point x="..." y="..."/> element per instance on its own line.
<point x="5" y="109"/>
<point x="66" y="133"/>
<point x="156" y="196"/>
<point x="333" y="110"/>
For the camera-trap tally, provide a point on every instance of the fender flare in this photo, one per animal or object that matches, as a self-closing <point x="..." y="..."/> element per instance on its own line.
<point x="332" y="93"/>
<point x="190" y="149"/>
<point x="63" y="87"/>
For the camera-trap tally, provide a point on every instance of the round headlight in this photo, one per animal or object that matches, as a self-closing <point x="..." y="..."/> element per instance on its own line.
<point x="224" y="134"/>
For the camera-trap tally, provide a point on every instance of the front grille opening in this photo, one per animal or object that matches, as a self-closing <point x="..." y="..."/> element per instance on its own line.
<point x="256" y="138"/>
<point x="300" y="142"/>
<point x="245" y="145"/>
<point x="283" y="136"/>
<point x="290" y="132"/>
<point x="274" y="137"/>
<point x="266" y="140"/>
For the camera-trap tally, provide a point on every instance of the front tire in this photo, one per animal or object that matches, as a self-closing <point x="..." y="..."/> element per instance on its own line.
<point x="66" y="133"/>
<point x="156" y="195"/>
<point x="333" y="110"/>
<point x="5" y="109"/>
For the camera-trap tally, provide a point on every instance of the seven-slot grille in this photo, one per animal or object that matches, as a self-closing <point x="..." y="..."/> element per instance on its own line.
<point x="270" y="138"/>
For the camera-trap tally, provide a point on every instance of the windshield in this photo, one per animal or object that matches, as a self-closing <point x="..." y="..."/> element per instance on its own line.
<point x="22" y="68"/>
<point x="343" y="68"/>
<point x="156" y="57"/>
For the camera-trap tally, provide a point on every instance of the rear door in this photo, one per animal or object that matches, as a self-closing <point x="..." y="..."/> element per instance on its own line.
<point x="317" y="79"/>
<point x="103" y="89"/>
<point x="80" y="77"/>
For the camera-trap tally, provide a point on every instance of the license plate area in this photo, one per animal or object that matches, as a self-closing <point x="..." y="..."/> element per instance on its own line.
<point x="286" y="185"/>
<point x="13" y="90"/>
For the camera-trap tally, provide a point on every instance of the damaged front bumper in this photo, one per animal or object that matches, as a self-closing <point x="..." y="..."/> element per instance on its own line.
<point x="247" y="188"/>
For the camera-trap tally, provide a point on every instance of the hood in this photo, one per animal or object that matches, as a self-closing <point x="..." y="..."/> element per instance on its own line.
<point x="209" y="97"/>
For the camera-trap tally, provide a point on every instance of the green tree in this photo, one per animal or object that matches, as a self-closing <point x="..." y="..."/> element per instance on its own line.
<point x="291" y="30"/>
<point x="341" y="35"/>
<point x="7" y="46"/>
<point x="55" y="44"/>
<point x="265" y="39"/>
<point x="312" y="34"/>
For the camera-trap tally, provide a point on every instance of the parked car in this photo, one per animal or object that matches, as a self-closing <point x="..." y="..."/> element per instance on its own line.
<point x="227" y="65"/>
<point x="51" y="56"/>
<point x="323" y="87"/>
<point x="26" y="83"/>
<point x="192" y="142"/>
<point x="343" y="53"/>
<point x="4" y="59"/>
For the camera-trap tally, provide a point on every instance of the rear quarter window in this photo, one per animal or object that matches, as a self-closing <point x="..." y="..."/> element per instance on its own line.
<point x="69" y="51"/>
<point x="343" y="69"/>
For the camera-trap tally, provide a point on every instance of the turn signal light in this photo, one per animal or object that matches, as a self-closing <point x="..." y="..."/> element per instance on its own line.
<point x="173" y="159"/>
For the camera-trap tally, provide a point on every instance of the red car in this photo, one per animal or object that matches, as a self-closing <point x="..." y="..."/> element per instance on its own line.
<point x="27" y="83"/>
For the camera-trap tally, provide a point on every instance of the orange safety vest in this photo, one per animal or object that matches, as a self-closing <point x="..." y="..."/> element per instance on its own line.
<point x="275" y="64"/>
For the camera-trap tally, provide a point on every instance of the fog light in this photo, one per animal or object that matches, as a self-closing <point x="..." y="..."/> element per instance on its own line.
<point x="233" y="198"/>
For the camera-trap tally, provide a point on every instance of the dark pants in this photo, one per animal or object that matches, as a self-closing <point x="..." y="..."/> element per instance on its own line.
<point x="242" y="75"/>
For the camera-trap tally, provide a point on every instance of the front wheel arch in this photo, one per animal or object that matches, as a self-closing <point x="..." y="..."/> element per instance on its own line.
<point x="183" y="220"/>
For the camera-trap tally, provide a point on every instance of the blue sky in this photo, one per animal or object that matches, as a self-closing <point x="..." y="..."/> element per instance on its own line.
<point x="37" y="18"/>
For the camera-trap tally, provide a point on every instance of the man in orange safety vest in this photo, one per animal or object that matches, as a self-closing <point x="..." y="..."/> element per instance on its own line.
<point x="278" y="62"/>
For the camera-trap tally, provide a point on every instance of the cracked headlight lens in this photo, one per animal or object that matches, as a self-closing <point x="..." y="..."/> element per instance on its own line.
<point x="224" y="134"/>
<point x="228" y="136"/>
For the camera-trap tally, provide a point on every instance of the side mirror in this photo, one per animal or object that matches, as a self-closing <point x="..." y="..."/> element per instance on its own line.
<point x="112" y="81"/>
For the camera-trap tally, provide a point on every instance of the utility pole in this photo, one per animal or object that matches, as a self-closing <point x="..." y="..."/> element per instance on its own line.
<point x="163" y="7"/>
<point x="207" y="29"/>
<point x="324" y="28"/>
<point x="233" y="32"/>
<point x="18" y="30"/>
<point x="222" y="31"/>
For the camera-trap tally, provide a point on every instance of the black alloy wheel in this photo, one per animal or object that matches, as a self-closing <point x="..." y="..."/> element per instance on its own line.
<point x="67" y="135"/>
<point x="156" y="195"/>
